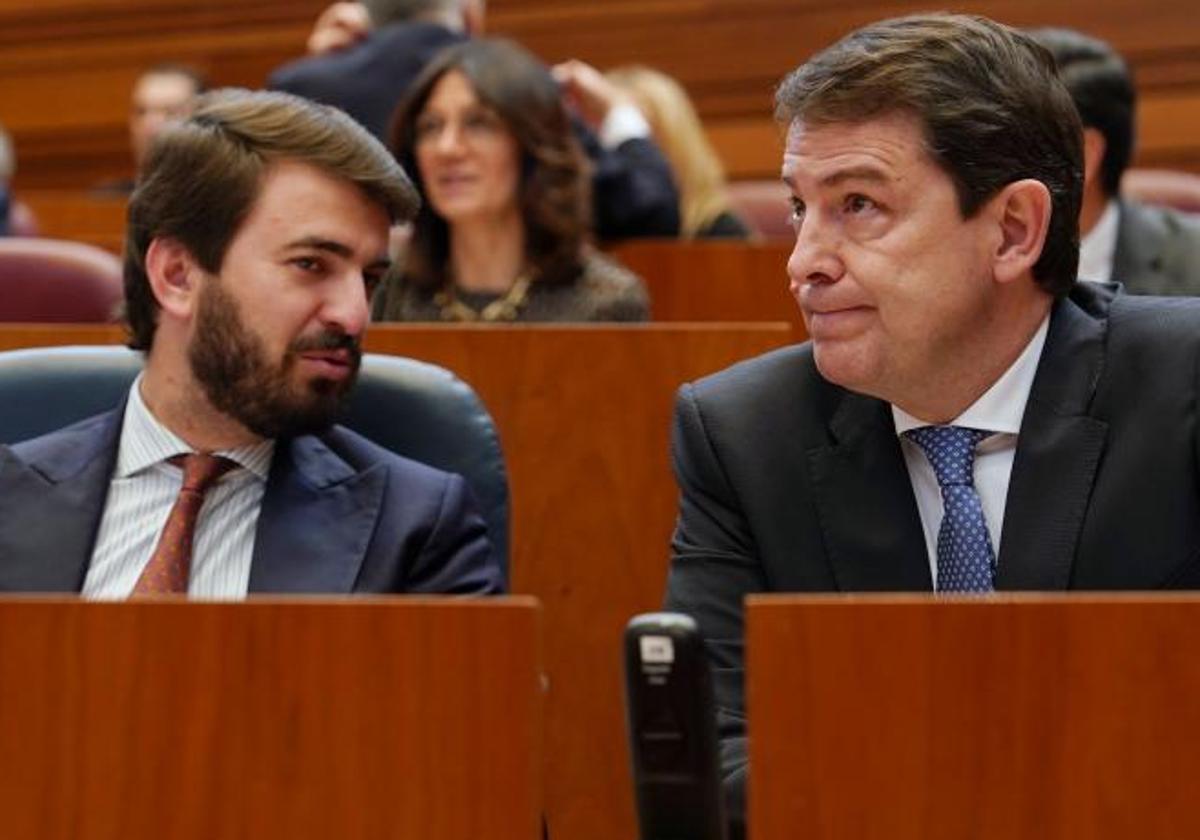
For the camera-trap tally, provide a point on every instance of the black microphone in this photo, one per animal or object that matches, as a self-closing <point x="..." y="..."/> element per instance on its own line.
<point x="672" y="729"/>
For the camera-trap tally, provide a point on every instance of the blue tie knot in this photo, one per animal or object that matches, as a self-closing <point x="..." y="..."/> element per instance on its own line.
<point x="950" y="450"/>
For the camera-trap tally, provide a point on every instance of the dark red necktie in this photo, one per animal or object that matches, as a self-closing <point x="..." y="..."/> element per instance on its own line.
<point x="171" y="563"/>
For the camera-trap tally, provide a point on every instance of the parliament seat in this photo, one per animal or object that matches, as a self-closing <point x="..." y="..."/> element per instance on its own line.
<point x="53" y="280"/>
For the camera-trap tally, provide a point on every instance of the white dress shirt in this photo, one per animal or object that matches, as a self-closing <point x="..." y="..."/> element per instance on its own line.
<point x="1097" y="249"/>
<point x="999" y="410"/>
<point x="142" y="492"/>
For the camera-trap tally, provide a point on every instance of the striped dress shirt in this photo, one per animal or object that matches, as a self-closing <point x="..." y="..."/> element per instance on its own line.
<point x="144" y="488"/>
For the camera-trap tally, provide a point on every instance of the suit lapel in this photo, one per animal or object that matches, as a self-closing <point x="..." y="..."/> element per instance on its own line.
<point x="317" y="518"/>
<point x="51" y="503"/>
<point x="865" y="501"/>
<point x="1058" y="452"/>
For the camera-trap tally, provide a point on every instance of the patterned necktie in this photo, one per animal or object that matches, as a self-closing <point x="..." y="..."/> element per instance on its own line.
<point x="965" y="561"/>
<point x="171" y="563"/>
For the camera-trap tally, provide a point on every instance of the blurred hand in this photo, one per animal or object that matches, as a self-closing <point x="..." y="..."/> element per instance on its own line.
<point x="587" y="90"/>
<point x="343" y="24"/>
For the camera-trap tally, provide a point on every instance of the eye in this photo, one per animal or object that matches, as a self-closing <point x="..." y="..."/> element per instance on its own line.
<point x="856" y="203"/>
<point x="371" y="280"/>
<point x="481" y="121"/>
<point x="308" y="264"/>
<point x="427" y="127"/>
<point x="797" y="213"/>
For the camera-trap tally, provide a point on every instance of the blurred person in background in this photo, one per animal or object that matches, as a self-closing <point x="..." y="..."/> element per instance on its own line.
<point x="364" y="58"/>
<point x="162" y="95"/>
<point x="1150" y="250"/>
<point x="503" y="232"/>
<point x="704" y="207"/>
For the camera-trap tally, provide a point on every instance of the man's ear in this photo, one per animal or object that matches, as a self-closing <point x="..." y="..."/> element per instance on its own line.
<point x="174" y="276"/>
<point x="1093" y="155"/>
<point x="1022" y="211"/>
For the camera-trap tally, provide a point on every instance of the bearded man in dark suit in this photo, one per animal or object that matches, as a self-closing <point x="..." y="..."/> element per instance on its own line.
<point x="257" y="231"/>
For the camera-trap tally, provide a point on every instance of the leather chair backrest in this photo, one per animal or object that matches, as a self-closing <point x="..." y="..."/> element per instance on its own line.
<point x="415" y="409"/>
<point x="52" y="280"/>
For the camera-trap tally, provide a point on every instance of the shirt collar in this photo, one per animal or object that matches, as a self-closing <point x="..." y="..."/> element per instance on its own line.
<point x="1001" y="406"/>
<point x="1097" y="249"/>
<point x="145" y="442"/>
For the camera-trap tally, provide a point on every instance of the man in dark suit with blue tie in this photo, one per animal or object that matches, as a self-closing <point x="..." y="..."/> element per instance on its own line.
<point x="256" y="233"/>
<point x="966" y="416"/>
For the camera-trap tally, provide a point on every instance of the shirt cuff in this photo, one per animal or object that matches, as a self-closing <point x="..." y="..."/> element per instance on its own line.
<point x="623" y="122"/>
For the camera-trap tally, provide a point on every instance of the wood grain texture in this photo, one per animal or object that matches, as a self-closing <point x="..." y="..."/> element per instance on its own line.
<point x="906" y="717"/>
<point x="67" y="66"/>
<point x="584" y="416"/>
<point x="81" y="216"/>
<point x="385" y="718"/>
<point x="715" y="280"/>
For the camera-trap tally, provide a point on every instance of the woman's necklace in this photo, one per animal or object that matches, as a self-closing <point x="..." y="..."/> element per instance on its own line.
<point x="504" y="308"/>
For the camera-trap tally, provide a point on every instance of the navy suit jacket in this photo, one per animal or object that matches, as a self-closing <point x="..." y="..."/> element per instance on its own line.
<point x="339" y="515"/>
<point x="633" y="191"/>
<point x="792" y="484"/>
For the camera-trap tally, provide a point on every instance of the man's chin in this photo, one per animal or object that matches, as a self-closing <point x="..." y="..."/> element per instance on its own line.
<point x="838" y="363"/>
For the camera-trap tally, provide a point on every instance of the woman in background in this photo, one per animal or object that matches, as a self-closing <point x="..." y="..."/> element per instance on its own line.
<point x="503" y="232"/>
<point x="704" y="208"/>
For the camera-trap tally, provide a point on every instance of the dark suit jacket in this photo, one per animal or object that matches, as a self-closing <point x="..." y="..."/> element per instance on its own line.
<point x="790" y="483"/>
<point x="1158" y="251"/>
<point x="339" y="515"/>
<point x="633" y="190"/>
<point x="368" y="80"/>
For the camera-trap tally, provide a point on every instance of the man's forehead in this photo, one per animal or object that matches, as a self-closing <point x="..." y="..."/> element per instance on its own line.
<point x="304" y="202"/>
<point x="826" y="147"/>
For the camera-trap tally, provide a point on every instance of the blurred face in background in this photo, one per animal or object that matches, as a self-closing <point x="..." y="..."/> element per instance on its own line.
<point x="158" y="99"/>
<point x="468" y="157"/>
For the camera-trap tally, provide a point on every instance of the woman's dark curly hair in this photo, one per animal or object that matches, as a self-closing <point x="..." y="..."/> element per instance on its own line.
<point x="554" y="183"/>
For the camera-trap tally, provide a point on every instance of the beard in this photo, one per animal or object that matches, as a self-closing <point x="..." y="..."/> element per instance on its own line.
<point x="230" y="362"/>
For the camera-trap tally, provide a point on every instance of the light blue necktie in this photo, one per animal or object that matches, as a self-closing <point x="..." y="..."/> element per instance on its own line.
<point x="965" y="562"/>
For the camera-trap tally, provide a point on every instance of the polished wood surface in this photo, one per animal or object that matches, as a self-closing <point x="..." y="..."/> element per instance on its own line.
<point x="922" y="717"/>
<point x="584" y="415"/>
<point x="68" y="65"/>
<point x="382" y="718"/>
<point x="79" y="215"/>
<point x="715" y="280"/>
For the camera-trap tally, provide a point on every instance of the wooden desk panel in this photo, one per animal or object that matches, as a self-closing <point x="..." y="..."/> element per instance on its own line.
<point x="80" y="216"/>
<point x="301" y="719"/>
<point x="714" y="280"/>
<point x="584" y="415"/>
<point x="929" y="718"/>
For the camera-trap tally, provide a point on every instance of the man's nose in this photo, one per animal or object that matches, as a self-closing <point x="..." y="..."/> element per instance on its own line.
<point x="815" y="257"/>
<point x="346" y="308"/>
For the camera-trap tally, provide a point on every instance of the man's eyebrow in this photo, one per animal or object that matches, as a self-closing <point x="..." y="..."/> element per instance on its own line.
<point x="334" y="247"/>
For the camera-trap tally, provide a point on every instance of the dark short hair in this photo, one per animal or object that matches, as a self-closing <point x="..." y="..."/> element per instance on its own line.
<point x="383" y="12"/>
<point x="202" y="176"/>
<point x="555" y="188"/>
<point x="1102" y="87"/>
<point x="989" y="101"/>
